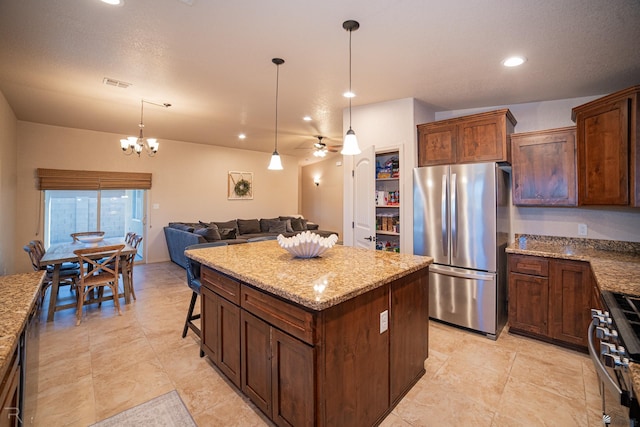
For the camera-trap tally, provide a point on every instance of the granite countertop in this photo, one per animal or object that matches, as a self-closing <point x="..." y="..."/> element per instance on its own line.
<point x="341" y="273"/>
<point x="18" y="294"/>
<point x="615" y="265"/>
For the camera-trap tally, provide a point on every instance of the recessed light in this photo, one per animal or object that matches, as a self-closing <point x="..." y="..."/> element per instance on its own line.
<point x="307" y="118"/>
<point x="242" y="136"/>
<point x="113" y="2"/>
<point x="514" y="61"/>
<point x="349" y="95"/>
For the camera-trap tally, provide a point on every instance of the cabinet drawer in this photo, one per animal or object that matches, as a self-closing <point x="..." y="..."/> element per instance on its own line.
<point x="284" y="316"/>
<point x="222" y="285"/>
<point x="527" y="264"/>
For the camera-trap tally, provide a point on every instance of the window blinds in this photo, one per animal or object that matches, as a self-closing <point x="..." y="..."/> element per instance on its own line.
<point x="61" y="179"/>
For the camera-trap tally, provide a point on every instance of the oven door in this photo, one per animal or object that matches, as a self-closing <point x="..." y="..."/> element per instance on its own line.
<point x="615" y="387"/>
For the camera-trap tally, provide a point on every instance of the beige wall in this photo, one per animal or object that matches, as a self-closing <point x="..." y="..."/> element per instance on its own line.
<point x="322" y="204"/>
<point x="189" y="180"/>
<point x="8" y="171"/>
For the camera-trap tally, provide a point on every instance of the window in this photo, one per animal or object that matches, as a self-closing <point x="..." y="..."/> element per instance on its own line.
<point x="116" y="212"/>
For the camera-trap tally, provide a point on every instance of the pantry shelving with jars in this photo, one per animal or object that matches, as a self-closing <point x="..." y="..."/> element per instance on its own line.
<point x="388" y="201"/>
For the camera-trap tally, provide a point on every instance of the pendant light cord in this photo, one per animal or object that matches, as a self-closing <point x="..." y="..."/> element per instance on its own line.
<point x="277" y="83"/>
<point x="350" y="92"/>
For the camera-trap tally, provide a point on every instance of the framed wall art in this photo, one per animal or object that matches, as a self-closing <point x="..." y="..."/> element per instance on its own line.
<point x="240" y="185"/>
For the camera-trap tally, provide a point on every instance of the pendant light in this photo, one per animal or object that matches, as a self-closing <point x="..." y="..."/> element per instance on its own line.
<point x="350" y="146"/>
<point x="276" y="163"/>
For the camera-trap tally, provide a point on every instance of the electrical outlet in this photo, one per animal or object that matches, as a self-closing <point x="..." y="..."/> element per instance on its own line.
<point x="582" y="229"/>
<point x="384" y="321"/>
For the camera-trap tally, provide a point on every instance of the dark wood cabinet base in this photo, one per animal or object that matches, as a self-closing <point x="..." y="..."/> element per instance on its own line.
<point x="331" y="367"/>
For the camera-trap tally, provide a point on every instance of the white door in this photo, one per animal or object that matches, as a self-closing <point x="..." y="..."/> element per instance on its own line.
<point x="364" y="215"/>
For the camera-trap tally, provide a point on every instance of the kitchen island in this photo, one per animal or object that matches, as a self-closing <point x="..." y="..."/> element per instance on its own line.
<point x="333" y="340"/>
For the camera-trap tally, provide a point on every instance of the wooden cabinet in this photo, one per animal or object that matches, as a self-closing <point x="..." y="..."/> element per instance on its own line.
<point x="544" y="167"/>
<point x="221" y="326"/>
<point x="479" y="137"/>
<point x="10" y="394"/>
<point x="608" y="149"/>
<point x="336" y="366"/>
<point x="550" y="299"/>
<point x="528" y="294"/>
<point x="570" y="293"/>
<point x="277" y="369"/>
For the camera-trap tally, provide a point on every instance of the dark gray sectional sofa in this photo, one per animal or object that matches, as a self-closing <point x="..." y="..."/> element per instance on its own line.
<point x="179" y="235"/>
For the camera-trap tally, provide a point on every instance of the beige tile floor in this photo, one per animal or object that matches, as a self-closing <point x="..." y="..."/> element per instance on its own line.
<point x="110" y="363"/>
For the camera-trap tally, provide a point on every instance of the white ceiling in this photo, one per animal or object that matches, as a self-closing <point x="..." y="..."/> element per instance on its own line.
<point x="212" y="61"/>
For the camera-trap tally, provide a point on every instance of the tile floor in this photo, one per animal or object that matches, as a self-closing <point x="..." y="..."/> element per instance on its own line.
<point x="109" y="363"/>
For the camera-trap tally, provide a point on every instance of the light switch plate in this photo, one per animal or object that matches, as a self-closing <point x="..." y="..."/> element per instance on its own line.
<point x="582" y="229"/>
<point x="384" y="321"/>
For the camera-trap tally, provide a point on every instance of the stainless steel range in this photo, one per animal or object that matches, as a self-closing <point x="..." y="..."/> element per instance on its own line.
<point x="614" y="342"/>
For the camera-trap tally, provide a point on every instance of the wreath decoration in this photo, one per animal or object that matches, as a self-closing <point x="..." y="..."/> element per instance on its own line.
<point x="242" y="187"/>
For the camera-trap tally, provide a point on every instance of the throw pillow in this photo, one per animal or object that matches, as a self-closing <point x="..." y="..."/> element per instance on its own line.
<point x="312" y="226"/>
<point x="182" y="227"/>
<point x="296" y="224"/>
<point x="265" y="222"/>
<point x="227" y="224"/>
<point x="280" y="227"/>
<point x="210" y="234"/>
<point x="288" y="225"/>
<point x="227" y="233"/>
<point x="248" y="226"/>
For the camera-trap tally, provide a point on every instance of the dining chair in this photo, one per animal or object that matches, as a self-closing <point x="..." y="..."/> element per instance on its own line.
<point x="128" y="238"/>
<point x="40" y="251"/>
<point x="98" y="273"/>
<point x="193" y="280"/>
<point x="68" y="276"/>
<point x="75" y="236"/>
<point x="126" y="267"/>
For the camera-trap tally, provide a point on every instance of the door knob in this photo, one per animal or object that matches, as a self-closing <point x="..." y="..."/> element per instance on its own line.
<point x="370" y="238"/>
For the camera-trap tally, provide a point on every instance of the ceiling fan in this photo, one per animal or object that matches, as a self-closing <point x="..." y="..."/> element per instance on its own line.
<point x="321" y="149"/>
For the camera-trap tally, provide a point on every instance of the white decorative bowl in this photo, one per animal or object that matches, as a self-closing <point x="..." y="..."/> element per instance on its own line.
<point x="90" y="239"/>
<point x="307" y="244"/>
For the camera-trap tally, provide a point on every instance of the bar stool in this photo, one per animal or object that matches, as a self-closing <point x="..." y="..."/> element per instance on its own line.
<point x="193" y="280"/>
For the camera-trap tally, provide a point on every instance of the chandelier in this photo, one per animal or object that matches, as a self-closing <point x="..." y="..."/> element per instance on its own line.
<point x="136" y="144"/>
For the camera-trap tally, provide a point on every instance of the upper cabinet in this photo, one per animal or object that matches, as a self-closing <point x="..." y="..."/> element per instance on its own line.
<point x="607" y="149"/>
<point x="544" y="167"/>
<point x="476" y="138"/>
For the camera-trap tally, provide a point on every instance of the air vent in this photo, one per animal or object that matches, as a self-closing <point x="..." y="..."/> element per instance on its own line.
<point x="116" y="83"/>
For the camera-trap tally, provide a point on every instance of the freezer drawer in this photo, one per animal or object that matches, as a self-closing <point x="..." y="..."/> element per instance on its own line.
<point x="462" y="297"/>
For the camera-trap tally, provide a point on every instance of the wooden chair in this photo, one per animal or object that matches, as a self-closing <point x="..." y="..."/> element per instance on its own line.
<point x="97" y="273"/>
<point x="129" y="237"/>
<point x="127" y="267"/>
<point x="40" y="251"/>
<point x="75" y="236"/>
<point x="68" y="276"/>
<point x="193" y="280"/>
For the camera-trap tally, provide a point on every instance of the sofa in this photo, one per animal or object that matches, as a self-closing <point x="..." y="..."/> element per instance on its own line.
<point x="179" y="235"/>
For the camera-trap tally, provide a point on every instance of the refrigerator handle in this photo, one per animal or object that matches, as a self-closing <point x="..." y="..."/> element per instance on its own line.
<point x="443" y="205"/>
<point x="454" y="215"/>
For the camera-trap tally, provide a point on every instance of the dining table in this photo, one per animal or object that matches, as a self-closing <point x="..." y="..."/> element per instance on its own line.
<point x="60" y="253"/>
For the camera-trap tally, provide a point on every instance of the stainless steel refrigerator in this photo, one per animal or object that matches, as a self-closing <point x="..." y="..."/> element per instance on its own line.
<point x="461" y="219"/>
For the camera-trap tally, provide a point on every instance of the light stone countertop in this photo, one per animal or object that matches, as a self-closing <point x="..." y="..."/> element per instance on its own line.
<point x="615" y="265"/>
<point x="339" y="274"/>
<point x="18" y="294"/>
